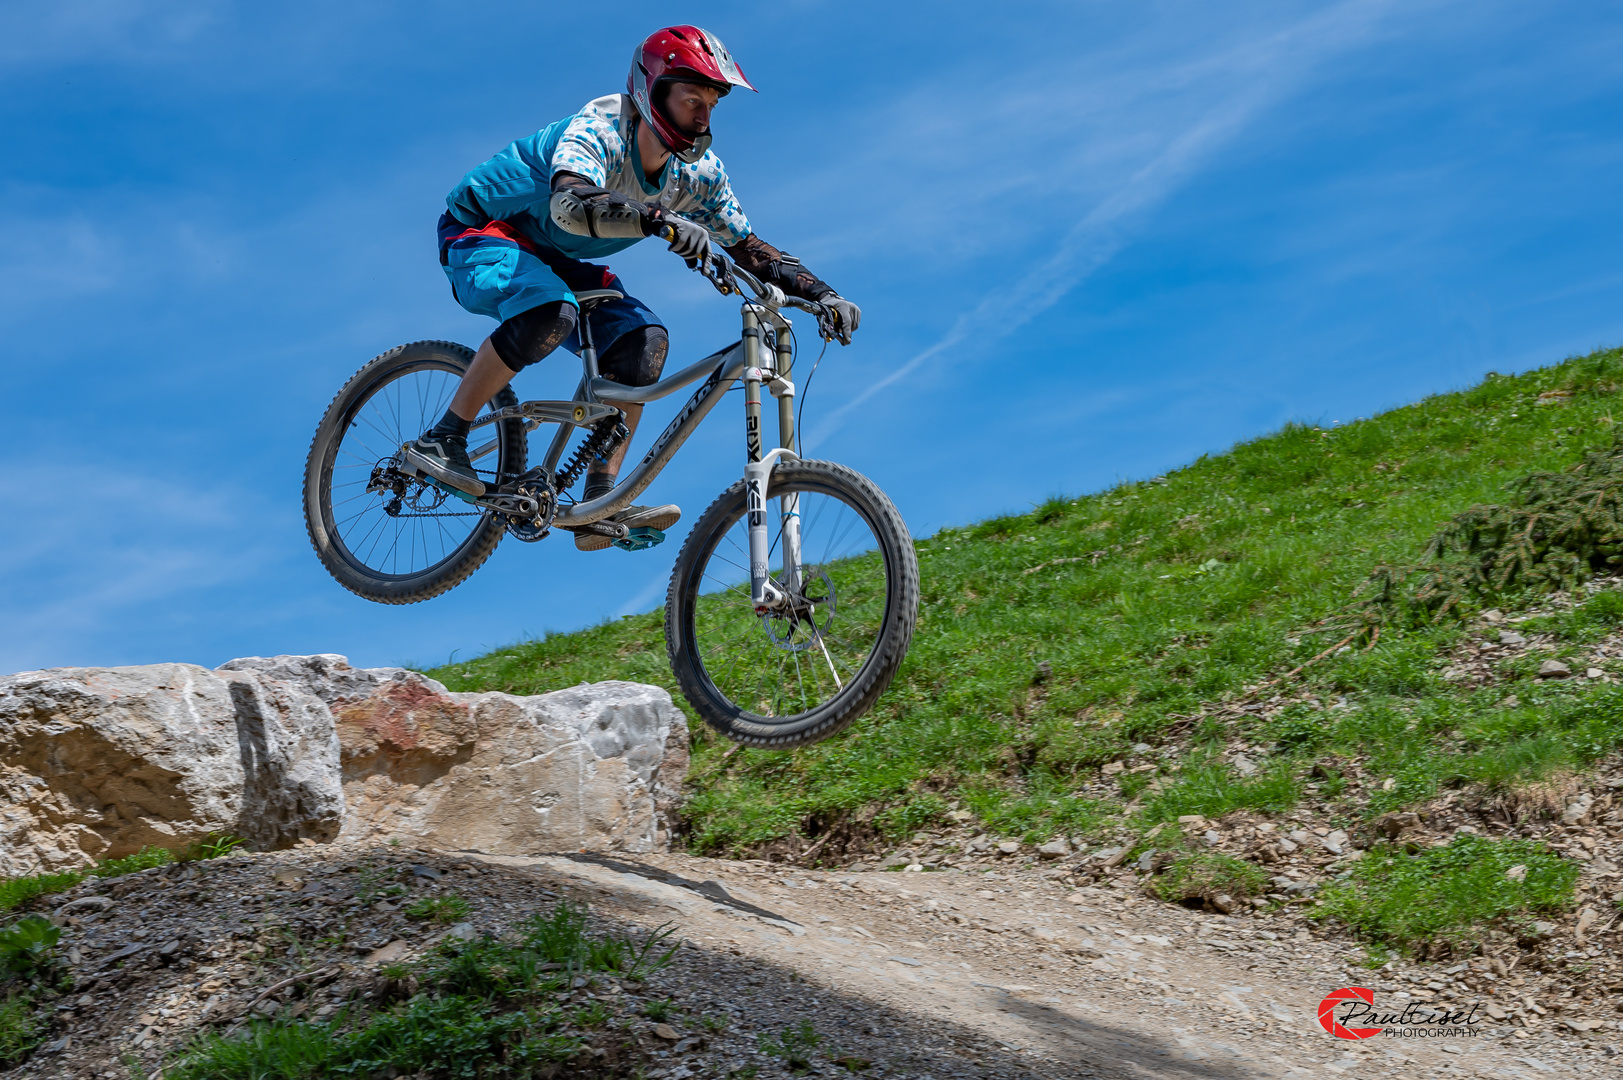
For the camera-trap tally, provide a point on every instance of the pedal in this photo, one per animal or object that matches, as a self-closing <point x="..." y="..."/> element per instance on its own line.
<point x="447" y="488"/>
<point x="641" y="538"/>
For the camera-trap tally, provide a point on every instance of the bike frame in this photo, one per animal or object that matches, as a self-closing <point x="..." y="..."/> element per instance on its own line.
<point x="753" y="358"/>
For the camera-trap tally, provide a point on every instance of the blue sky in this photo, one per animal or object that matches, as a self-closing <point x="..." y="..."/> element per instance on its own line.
<point x="1091" y="241"/>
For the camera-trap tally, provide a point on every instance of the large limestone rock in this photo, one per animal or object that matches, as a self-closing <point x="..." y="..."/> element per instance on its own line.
<point x="96" y="763"/>
<point x="100" y="762"/>
<point x="593" y="767"/>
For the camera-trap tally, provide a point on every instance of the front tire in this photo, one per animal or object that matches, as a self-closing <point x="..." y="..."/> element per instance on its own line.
<point x="781" y="681"/>
<point x="410" y="545"/>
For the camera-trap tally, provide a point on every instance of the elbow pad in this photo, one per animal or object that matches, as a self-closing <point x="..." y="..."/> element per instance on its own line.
<point x="599" y="216"/>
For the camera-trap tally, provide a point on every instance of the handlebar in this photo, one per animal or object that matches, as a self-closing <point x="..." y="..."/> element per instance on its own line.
<point x="725" y="275"/>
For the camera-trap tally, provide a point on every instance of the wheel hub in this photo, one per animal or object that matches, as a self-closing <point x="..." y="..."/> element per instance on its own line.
<point x="803" y="618"/>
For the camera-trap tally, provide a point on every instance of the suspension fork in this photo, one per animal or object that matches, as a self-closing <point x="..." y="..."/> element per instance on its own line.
<point x="764" y="594"/>
<point x="789" y="505"/>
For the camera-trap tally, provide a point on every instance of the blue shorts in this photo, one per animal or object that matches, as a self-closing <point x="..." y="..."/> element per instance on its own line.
<point x="499" y="272"/>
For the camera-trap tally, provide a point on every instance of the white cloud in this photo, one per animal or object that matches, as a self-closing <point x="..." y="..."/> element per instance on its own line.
<point x="1226" y="89"/>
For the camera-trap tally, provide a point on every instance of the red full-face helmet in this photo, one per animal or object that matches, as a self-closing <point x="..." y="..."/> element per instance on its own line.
<point x="679" y="54"/>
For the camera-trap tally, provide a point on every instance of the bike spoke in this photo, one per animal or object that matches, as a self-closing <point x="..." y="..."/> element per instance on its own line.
<point x="410" y="541"/>
<point x="782" y="666"/>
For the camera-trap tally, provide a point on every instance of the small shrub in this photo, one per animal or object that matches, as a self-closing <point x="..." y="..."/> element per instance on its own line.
<point x="20" y="1030"/>
<point x="25" y="946"/>
<point x="440" y="909"/>
<point x="490" y="969"/>
<point x="1556" y="531"/>
<point x="1203" y="875"/>
<point x="794" y="1044"/>
<point x="561" y="938"/>
<point x="212" y="846"/>
<point x="1448" y="896"/>
<point x="658" y="1010"/>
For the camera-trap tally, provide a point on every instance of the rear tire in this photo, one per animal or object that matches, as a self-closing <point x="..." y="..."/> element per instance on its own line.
<point x="779" y="682"/>
<point x="410" y="556"/>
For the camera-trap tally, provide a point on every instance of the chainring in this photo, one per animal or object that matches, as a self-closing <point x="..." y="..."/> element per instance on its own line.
<point x="536" y="485"/>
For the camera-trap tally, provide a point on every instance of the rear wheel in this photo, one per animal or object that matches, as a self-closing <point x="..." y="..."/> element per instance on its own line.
<point x="385" y="536"/>
<point x="794" y="676"/>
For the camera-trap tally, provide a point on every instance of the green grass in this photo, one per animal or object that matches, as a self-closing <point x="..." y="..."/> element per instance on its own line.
<point x="794" y="1044"/>
<point x="1204" y="875"/>
<point x="20" y="1029"/>
<point x="1150" y="602"/>
<point x="15" y="892"/>
<point x="440" y="909"/>
<point x="447" y="1038"/>
<point x="1450" y="895"/>
<point x="486" y="1008"/>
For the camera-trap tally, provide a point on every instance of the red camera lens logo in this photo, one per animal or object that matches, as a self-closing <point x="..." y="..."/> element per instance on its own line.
<point x="1327" y="1012"/>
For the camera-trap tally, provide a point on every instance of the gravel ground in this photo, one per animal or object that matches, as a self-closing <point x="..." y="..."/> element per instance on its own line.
<point x="1002" y="973"/>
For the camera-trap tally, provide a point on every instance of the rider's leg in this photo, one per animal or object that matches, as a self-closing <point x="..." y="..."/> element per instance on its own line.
<point x="518" y="342"/>
<point x="636" y="358"/>
<point x="485" y="378"/>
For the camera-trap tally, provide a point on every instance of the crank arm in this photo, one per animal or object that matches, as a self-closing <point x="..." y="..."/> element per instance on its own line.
<point x="611" y="529"/>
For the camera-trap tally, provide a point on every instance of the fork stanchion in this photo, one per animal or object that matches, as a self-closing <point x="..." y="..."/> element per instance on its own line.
<point x="789" y="505"/>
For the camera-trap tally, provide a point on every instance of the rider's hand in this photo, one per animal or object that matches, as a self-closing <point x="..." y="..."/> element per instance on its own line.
<point x="844" y="317"/>
<point x="690" y="241"/>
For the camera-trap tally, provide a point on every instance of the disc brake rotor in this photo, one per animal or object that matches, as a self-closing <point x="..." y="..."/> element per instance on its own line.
<point x="806" y="617"/>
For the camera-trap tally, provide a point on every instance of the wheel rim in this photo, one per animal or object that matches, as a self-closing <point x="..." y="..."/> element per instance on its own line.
<point x="428" y="527"/>
<point x="776" y="670"/>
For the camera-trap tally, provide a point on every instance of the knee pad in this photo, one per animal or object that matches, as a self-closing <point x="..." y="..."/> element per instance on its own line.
<point x="637" y="357"/>
<point x="529" y="336"/>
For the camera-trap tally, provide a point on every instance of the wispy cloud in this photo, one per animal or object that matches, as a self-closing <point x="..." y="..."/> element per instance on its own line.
<point x="90" y="551"/>
<point x="1241" y="81"/>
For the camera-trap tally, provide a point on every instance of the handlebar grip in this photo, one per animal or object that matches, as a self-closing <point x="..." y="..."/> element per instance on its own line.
<point x="666" y="233"/>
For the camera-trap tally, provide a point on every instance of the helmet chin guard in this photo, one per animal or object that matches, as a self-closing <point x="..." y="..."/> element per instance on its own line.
<point x="680" y="54"/>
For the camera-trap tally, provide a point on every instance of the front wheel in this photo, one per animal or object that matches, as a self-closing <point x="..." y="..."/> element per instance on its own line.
<point x="793" y="676"/>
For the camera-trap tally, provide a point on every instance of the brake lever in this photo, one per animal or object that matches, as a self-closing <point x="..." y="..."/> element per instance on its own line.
<point x="720" y="274"/>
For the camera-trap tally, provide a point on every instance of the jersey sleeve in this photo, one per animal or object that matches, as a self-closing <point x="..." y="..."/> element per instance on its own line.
<point x="711" y="202"/>
<point x="591" y="147"/>
<point x="515" y="181"/>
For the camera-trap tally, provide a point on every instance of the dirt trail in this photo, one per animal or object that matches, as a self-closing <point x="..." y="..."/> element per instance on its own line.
<point x="1058" y="982"/>
<point x="1006" y="975"/>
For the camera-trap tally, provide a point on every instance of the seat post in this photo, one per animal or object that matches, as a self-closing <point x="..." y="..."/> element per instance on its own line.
<point x="585" y="301"/>
<point x="588" y="348"/>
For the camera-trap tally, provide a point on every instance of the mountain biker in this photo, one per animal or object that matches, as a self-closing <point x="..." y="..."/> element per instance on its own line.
<point x="520" y="226"/>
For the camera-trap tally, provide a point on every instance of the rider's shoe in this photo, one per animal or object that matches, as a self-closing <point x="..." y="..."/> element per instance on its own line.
<point x="445" y="458"/>
<point x="632" y="517"/>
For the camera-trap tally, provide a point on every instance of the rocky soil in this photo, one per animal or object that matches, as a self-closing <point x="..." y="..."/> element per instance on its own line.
<point x="1004" y="972"/>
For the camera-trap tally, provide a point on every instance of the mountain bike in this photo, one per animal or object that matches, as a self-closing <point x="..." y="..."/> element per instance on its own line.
<point x="782" y="628"/>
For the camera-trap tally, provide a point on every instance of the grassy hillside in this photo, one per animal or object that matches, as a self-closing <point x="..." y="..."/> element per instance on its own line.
<point x="1115" y="627"/>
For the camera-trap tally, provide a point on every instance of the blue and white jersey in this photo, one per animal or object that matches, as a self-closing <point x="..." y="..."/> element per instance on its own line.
<point x="598" y="144"/>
